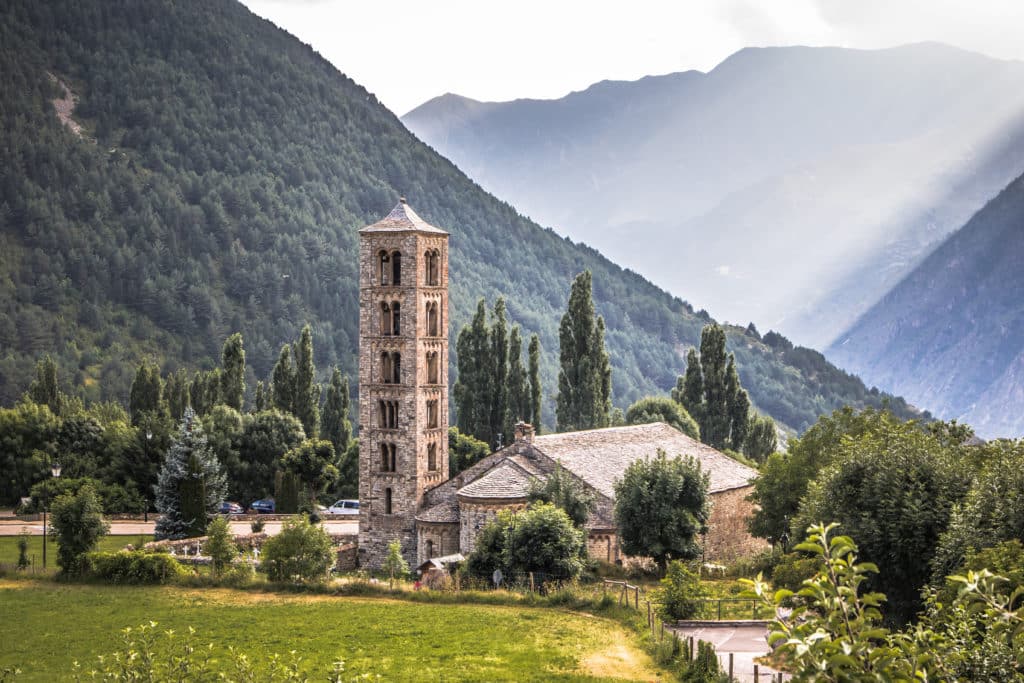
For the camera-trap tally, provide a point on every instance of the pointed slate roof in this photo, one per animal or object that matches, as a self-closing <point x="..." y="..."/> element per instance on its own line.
<point x="507" y="480"/>
<point x="402" y="219"/>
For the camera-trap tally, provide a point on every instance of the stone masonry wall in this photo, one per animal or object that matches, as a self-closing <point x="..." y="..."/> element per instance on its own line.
<point x="728" y="538"/>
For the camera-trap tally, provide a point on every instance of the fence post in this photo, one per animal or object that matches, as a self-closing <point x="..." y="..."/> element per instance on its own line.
<point x="662" y="637"/>
<point x="730" y="665"/>
<point x="531" y="582"/>
<point x="719" y="609"/>
<point x="693" y="654"/>
<point x="756" y="674"/>
<point x="649" y="621"/>
<point x="636" y="590"/>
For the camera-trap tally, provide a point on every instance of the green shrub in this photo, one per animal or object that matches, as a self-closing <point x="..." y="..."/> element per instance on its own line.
<point x="220" y="545"/>
<point x="793" y="569"/>
<point x="257" y="526"/>
<point x="132" y="567"/>
<point x="77" y="522"/>
<point x="680" y="593"/>
<point x="23" y="538"/>
<point x="302" y="551"/>
<point x="238" y="575"/>
<point x="704" y="668"/>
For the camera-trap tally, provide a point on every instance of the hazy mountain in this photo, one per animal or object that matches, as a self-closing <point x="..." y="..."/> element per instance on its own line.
<point x="952" y="333"/>
<point x="788" y="186"/>
<point x="206" y="173"/>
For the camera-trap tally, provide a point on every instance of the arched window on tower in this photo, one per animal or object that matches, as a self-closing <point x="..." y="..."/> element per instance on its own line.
<point x="387" y="371"/>
<point x="430" y="549"/>
<point x="385" y="318"/>
<point x="432" y="319"/>
<point x="382" y="414"/>
<point x="388" y="457"/>
<point x="432" y="457"/>
<point x="396" y="267"/>
<point x="385" y="267"/>
<point x="433" y="268"/>
<point x="433" y="369"/>
<point x="432" y="414"/>
<point x="396" y="368"/>
<point x="387" y="501"/>
<point x="396" y="318"/>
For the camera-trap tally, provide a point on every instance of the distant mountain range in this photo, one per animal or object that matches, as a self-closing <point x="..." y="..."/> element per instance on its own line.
<point x="788" y="186"/>
<point x="951" y="334"/>
<point x="213" y="182"/>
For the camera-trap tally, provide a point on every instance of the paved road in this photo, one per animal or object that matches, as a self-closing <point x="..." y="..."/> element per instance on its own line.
<point x="135" y="528"/>
<point x="745" y="642"/>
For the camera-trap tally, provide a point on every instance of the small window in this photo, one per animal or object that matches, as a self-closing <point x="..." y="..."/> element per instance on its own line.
<point x="432" y="414"/>
<point x="396" y="318"/>
<point x="433" y="324"/>
<point x="385" y="267"/>
<point x="387" y="501"/>
<point x="396" y="268"/>
<point x="387" y="371"/>
<point x="433" y="270"/>
<point x="430" y="549"/>
<point x="396" y="368"/>
<point x="432" y="457"/>
<point x="433" y="371"/>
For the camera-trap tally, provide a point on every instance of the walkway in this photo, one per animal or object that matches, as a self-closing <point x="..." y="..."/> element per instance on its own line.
<point x="13" y="527"/>
<point x="746" y="641"/>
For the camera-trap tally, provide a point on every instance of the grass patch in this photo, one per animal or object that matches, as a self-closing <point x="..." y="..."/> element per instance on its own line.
<point x="9" y="548"/>
<point x="46" y="626"/>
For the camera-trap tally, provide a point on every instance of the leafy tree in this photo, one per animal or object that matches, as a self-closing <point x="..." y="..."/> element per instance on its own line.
<point x="348" y="471"/>
<point x="224" y="427"/>
<point x="204" y="392"/>
<point x="893" y="488"/>
<point x="584" y="380"/>
<point x="176" y="394"/>
<point x="470" y="392"/>
<point x="762" y="439"/>
<point x="661" y="506"/>
<point x="283" y="382"/>
<point x="498" y="373"/>
<point x="785" y="476"/>
<point x="220" y="545"/>
<point x="680" y="593"/>
<point x="544" y="539"/>
<point x="519" y="407"/>
<point x="737" y="405"/>
<point x="564" y="491"/>
<point x="660" y="409"/>
<point x="28" y="443"/>
<point x="689" y="391"/>
<point x="335" y="425"/>
<point x="191" y="484"/>
<point x="300" y="552"/>
<point x="45" y="388"/>
<point x="288" y="496"/>
<point x="394" y="563"/>
<point x="312" y="462"/>
<point x="146" y="394"/>
<point x="261" y="397"/>
<point x="232" y="377"/>
<point x="464" y="451"/>
<point x="535" y="388"/>
<point x="714" y="426"/>
<point x="77" y="524"/>
<point x="307" y="391"/>
<point x="265" y="438"/>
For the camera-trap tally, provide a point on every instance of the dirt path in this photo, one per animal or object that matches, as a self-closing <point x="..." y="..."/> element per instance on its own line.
<point x="620" y="660"/>
<point x="65" y="106"/>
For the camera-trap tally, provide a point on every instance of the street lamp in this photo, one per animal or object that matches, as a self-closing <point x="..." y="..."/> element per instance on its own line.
<point x="55" y="471"/>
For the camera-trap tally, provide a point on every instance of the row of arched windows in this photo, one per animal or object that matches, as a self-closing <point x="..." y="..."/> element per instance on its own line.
<point x="389" y="457"/>
<point x="387" y="414"/>
<point x="390" y="267"/>
<point x="391" y="318"/>
<point x="391" y="367"/>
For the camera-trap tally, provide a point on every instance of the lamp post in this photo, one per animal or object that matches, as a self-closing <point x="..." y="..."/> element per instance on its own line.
<point x="55" y="471"/>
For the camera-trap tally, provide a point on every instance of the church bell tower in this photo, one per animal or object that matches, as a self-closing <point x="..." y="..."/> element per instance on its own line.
<point x="403" y="377"/>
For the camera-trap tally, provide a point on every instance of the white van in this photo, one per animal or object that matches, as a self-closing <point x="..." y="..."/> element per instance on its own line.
<point x="344" y="507"/>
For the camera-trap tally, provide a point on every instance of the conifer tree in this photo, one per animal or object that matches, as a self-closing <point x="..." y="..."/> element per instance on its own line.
<point x="282" y="390"/>
<point x="190" y="485"/>
<point x="232" y="378"/>
<point x="535" y="388"/>
<point x="307" y="391"/>
<point x="584" y="380"/>
<point x="335" y="425"/>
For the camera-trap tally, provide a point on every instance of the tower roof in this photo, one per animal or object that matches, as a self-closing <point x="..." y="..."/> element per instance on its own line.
<point x="402" y="219"/>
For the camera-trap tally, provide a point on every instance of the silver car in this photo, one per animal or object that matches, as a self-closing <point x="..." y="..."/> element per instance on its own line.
<point x="344" y="507"/>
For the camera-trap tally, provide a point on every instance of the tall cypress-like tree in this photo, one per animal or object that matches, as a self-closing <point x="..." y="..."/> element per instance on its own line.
<point x="307" y="391"/>
<point x="232" y="376"/>
<point x="584" y="380"/>
<point x="335" y="425"/>
<point x="535" y="388"/>
<point x="518" y="383"/>
<point x="45" y="389"/>
<point x="146" y="394"/>
<point x="282" y="390"/>
<point x="498" y="380"/>
<point x="190" y="485"/>
<point x="261" y="397"/>
<point x="738" y="407"/>
<point x="471" y="392"/>
<point x="176" y="394"/>
<point x="689" y="391"/>
<point x="714" y="425"/>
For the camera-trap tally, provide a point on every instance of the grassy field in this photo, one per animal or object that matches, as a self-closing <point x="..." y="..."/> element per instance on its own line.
<point x="46" y="626"/>
<point x="9" y="548"/>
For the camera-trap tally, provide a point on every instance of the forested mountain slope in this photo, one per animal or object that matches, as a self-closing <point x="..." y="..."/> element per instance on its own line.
<point x="951" y="335"/>
<point x="217" y="182"/>
<point x="800" y="184"/>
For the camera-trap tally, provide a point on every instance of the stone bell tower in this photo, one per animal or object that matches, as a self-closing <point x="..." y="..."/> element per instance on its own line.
<point x="403" y="377"/>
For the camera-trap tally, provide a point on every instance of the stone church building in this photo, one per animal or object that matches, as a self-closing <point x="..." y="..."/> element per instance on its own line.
<point x="404" y="489"/>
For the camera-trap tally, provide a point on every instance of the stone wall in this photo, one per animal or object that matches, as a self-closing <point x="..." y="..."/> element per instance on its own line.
<point x="347" y="558"/>
<point x="603" y="546"/>
<point x="436" y="539"/>
<point x="727" y="538"/>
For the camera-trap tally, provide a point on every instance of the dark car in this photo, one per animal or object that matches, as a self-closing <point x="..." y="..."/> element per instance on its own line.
<point x="229" y="508"/>
<point x="264" y="506"/>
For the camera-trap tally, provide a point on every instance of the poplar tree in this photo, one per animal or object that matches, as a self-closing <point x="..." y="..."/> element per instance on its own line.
<point x="45" y="389"/>
<point x="335" y="425"/>
<point x="282" y="390"/>
<point x="470" y="391"/>
<point x="499" y="373"/>
<point x="737" y="407"/>
<point x="535" y="389"/>
<point x="146" y="394"/>
<point x="714" y="424"/>
<point x="689" y="391"/>
<point x="518" y="383"/>
<point x="306" y="405"/>
<point x="176" y="394"/>
<point x="584" y="380"/>
<point x="261" y="397"/>
<point x="232" y="377"/>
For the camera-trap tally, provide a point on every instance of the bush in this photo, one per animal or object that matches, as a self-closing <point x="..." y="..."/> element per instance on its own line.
<point x="793" y="569"/>
<point x="302" y="551"/>
<point x="257" y="526"/>
<point x="220" y="545"/>
<point x="23" y="538"/>
<point x="680" y="593"/>
<point x="132" y="567"/>
<point x="77" y="523"/>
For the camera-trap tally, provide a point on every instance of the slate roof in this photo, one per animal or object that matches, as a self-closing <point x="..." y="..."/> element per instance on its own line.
<point x="507" y="480"/>
<point x="600" y="456"/>
<point x="445" y="511"/>
<point x="402" y="219"/>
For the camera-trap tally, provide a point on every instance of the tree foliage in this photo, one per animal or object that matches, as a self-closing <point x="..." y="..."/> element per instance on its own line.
<point x="191" y="484"/>
<point x="563" y="490"/>
<point x="541" y="539"/>
<point x="77" y="525"/>
<point x="662" y="409"/>
<point x="232" y="377"/>
<point x="464" y="451"/>
<point x="584" y="378"/>
<point x="661" y="506"/>
<point x="301" y="551"/>
<point x="312" y="462"/>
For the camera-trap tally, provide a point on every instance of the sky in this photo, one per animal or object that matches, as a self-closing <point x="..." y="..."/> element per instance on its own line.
<point x="409" y="51"/>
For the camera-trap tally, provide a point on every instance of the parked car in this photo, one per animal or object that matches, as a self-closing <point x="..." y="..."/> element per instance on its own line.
<point x="230" y="508"/>
<point x="344" y="507"/>
<point x="264" y="506"/>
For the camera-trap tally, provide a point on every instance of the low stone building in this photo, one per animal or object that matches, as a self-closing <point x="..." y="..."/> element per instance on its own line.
<point x="455" y="512"/>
